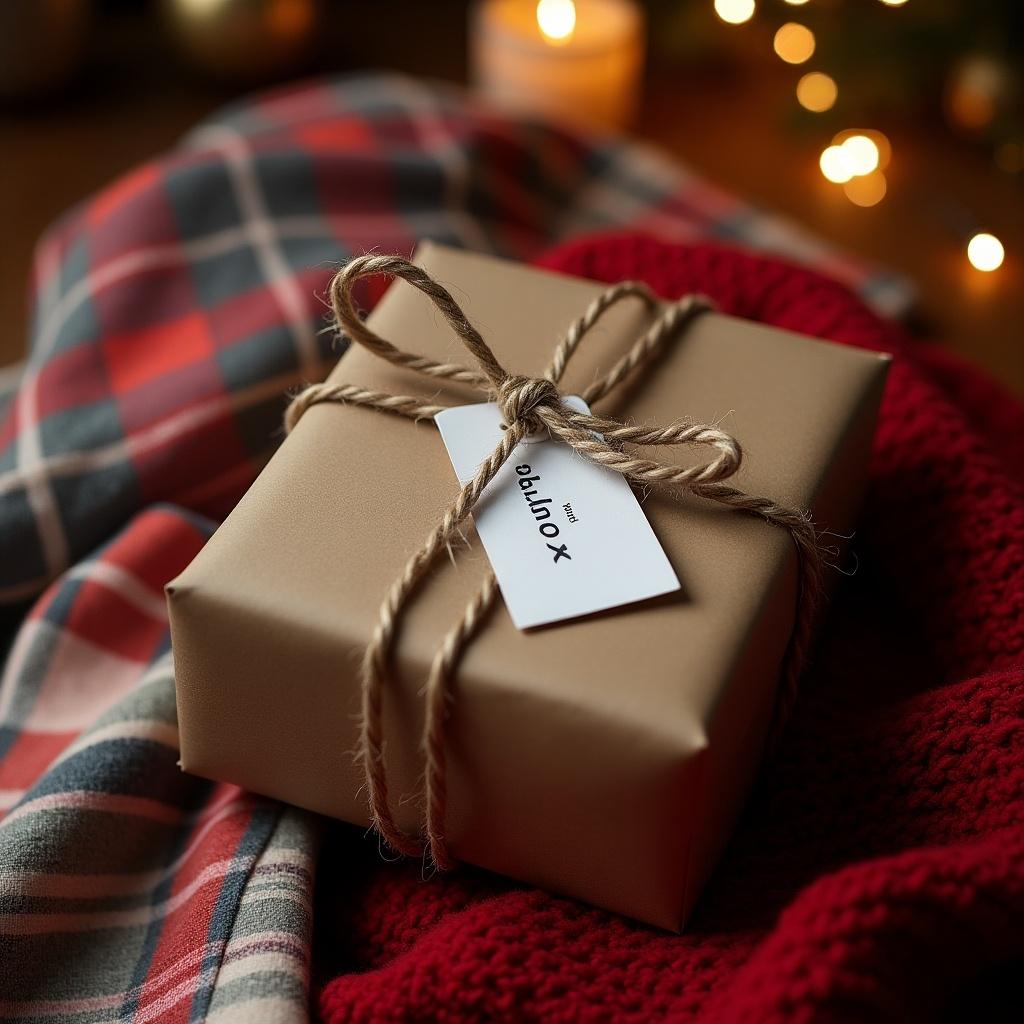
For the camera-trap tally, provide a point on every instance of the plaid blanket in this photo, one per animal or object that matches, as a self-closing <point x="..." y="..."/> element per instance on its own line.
<point x="171" y="312"/>
<point x="127" y="889"/>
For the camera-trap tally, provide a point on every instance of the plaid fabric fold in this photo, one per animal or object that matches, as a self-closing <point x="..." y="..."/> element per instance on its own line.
<point x="173" y="310"/>
<point x="128" y="890"/>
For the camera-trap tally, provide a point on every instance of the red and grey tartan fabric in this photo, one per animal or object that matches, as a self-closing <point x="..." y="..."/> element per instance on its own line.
<point x="173" y="310"/>
<point x="879" y="870"/>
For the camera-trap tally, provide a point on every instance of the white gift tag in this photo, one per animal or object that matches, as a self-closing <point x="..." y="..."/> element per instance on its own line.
<point x="565" y="537"/>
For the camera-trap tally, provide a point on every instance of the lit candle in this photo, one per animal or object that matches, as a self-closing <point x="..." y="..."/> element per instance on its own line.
<point x="569" y="61"/>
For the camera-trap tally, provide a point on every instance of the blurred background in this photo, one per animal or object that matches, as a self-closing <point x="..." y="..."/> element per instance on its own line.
<point x="893" y="128"/>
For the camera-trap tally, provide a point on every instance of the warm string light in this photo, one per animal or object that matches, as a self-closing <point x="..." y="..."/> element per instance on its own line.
<point x="985" y="252"/>
<point x="882" y="144"/>
<point x="866" y="189"/>
<point x="794" y="43"/>
<point x="861" y="154"/>
<point x="856" y="160"/>
<point x="735" y="12"/>
<point x="816" y="92"/>
<point x="556" y="19"/>
<point x="833" y="165"/>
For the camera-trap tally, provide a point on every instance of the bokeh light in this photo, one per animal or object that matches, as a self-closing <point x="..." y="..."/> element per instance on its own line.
<point x="883" y="146"/>
<point x="794" y="43"/>
<point x="866" y="189"/>
<point x="880" y="140"/>
<point x="855" y="160"/>
<point x="861" y="152"/>
<point x="816" y="92"/>
<point x="835" y="165"/>
<point x="894" y="3"/>
<point x="977" y="92"/>
<point x="985" y="252"/>
<point x="735" y="12"/>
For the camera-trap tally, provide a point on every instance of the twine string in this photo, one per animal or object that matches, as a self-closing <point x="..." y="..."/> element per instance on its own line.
<point x="528" y="405"/>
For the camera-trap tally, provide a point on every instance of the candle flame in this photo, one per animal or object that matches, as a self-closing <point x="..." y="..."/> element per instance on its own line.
<point x="557" y="19"/>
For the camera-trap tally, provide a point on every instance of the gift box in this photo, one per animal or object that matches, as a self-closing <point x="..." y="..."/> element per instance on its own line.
<point x="606" y="757"/>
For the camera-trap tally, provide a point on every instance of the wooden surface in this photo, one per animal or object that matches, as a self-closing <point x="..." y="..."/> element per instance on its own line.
<point x="729" y="126"/>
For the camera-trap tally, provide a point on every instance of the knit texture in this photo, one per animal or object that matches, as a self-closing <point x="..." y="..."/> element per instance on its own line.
<point x="878" y="871"/>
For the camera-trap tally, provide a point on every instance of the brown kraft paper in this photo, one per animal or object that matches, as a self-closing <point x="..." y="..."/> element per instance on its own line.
<point x="604" y="758"/>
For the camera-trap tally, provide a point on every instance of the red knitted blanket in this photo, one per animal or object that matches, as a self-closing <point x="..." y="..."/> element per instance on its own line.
<point x="878" y="871"/>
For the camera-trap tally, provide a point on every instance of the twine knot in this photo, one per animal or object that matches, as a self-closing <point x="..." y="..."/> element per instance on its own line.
<point x="518" y="396"/>
<point x="528" y="404"/>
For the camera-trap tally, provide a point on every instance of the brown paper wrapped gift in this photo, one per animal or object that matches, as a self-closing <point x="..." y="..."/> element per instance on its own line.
<point x="604" y="758"/>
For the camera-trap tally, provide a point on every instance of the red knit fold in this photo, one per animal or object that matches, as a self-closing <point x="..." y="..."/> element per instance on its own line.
<point x="878" y="871"/>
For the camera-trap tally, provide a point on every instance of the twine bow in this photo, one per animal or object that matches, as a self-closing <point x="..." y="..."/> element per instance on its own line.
<point x="528" y="404"/>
